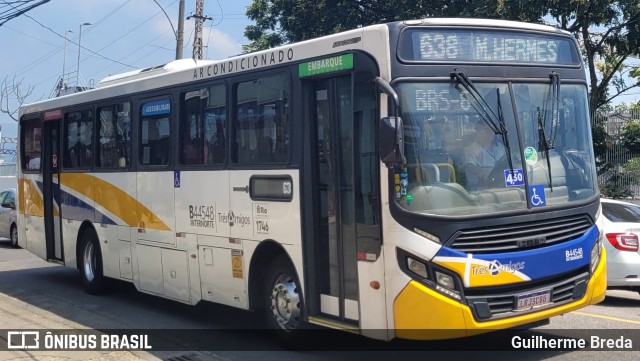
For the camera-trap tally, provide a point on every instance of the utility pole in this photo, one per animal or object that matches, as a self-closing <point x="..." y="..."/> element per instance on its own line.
<point x="180" y="34"/>
<point x="200" y="18"/>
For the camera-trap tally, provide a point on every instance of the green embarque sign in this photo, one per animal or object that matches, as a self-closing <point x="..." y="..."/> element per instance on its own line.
<point x="328" y="65"/>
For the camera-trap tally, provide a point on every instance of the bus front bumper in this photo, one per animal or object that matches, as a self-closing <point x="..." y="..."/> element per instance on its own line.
<point x="421" y="313"/>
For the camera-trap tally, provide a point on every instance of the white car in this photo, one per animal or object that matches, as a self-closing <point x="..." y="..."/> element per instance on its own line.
<point x="8" y="222"/>
<point x="621" y="227"/>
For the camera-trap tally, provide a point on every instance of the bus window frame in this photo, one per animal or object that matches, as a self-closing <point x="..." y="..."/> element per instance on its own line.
<point x="137" y="117"/>
<point x="27" y="118"/>
<point x="63" y="138"/>
<point x="232" y="120"/>
<point x="110" y="103"/>
<point x="178" y="148"/>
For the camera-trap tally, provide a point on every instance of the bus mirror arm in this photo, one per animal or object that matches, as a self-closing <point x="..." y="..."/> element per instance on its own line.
<point x="391" y="141"/>
<point x="391" y="130"/>
<point x="386" y="88"/>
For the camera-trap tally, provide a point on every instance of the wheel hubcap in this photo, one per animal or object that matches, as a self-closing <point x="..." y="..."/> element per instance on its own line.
<point x="285" y="303"/>
<point x="14" y="236"/>
<point x="89" y="261"/>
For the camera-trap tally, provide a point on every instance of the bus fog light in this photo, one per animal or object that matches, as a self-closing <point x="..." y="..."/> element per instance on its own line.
<point x="417" y="267"/>
<point x="445" y="280"/>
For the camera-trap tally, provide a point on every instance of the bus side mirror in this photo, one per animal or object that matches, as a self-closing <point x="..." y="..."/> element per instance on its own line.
<point x="391" y="140"/>
<point x="11" y="205"/>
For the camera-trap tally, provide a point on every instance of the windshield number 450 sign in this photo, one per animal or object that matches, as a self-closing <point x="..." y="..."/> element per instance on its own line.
<point x="513" y="177"/>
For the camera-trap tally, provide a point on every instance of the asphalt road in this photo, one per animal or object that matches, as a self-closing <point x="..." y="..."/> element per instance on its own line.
<point x="38" y="295"/>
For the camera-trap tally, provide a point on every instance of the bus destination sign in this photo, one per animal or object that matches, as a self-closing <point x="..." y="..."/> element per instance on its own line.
<point x="490" y="46"/>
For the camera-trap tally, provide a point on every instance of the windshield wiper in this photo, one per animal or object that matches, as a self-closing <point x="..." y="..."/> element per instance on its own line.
<point x="503" y="131"/>
<point x="484" y="110"/>
<point x="548" y="143"/>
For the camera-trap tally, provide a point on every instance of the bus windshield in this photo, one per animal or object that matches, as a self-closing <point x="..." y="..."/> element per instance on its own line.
<point x="502" y="147"/>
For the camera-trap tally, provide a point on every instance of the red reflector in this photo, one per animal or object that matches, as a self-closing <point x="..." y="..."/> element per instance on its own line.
<point x="623" y="241"/>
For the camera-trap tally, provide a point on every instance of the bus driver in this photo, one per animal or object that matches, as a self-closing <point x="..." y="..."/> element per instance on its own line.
<point x="481" y="156"/>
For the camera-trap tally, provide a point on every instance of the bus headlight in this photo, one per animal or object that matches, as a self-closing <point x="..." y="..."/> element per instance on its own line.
<point x="445" y="280"/>
<point x="417" y="267"/>
<point x="446" y="285"/>
<point x="431" y="275"/>
<point x="596" y="253"/>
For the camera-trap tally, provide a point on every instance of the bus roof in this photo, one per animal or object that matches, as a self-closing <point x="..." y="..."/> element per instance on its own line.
<point x="485" y="23"/>
<point x="188" y="70"/>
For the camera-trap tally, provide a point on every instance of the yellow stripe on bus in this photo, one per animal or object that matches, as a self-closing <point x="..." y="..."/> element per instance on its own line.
<point x="30" y="198"/>
<point x="113" y="199"/>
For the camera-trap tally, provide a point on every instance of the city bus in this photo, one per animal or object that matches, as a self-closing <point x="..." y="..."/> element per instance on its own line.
<point x="329" y="182"/>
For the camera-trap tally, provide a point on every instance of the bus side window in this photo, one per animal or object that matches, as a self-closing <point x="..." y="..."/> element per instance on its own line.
<point x="30" y="146"/>
<point x="78" y="140"/>
<point x="155" y="133"/>
<point x="114" y="136"/>
<point x="201" y="126"/>
<point x="262" y="121"/>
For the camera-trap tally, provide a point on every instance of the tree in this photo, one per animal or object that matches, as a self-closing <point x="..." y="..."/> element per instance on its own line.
<point x="630" y="136"/>
<point x="608" y="30"/>
<point x="10" y="91"/>
<point x="601" y="142"/>
<point x="283" y="21"/>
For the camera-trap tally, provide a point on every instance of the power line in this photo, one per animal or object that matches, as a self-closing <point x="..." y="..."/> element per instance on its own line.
<point x="30" y="36"/>
<point x="73" y="42"/>
<point x="17" y="8"/>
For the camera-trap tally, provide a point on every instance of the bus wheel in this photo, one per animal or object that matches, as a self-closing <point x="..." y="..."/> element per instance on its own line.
<point x="283" y="298"/>
<point x="14" y="236"/>
<point x="91" y="264"/>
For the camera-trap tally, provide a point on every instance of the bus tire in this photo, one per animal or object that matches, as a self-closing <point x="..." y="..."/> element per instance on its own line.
<point x="284" y="306"/>
<point x="13" y="233"/>
<point x="91" y="263"/>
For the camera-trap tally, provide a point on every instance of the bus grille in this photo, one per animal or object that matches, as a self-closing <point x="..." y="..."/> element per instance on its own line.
<point x="500" y="303"/>
<point x="516" y="237"/>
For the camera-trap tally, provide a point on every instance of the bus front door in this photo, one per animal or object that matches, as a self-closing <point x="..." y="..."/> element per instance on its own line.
<point x="345" y="209"/>
<point x="51" y="190"/>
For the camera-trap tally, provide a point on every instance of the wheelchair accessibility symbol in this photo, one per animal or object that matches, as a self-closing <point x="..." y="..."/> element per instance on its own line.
<point x="536" y="196"/>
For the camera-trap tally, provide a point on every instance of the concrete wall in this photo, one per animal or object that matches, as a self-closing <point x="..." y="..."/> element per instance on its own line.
<point x="8" y="181"/>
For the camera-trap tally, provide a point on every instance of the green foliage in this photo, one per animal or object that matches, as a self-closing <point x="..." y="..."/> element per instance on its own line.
<point x="608" y="30"/>
<point x="630" y="136"/>
<point x="601" y="141"/>
<point x="632" y="167"/>
<point x="617" y="186"/>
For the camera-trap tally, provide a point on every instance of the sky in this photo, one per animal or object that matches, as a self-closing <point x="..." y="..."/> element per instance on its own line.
<point x="124" y="35"/>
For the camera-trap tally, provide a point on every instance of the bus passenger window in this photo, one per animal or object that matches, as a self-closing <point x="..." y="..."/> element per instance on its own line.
<point x="155" y="133"/>
<point x="114" y="136"/>
<point x="202" y="126"/>
<point x="262" y="122"/>
<point x="30" y="144"/>
<point x="78" y="140"/>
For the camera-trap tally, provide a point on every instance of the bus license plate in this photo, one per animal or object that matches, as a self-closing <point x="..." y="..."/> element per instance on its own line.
<point x="531" y="300"/>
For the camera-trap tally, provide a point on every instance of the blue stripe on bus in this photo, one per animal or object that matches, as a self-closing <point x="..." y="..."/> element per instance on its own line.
<point x="540" y="262"/>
